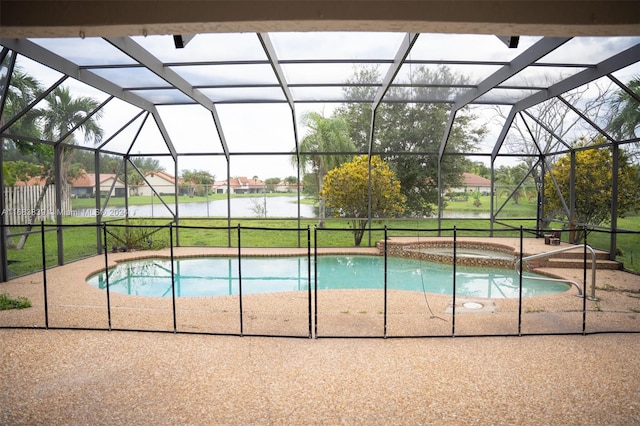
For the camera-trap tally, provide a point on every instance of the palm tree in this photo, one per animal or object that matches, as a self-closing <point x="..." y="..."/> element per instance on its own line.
<point x="326" y="135"/>
<point x="23" y="89"/>
<point x="507" y="180"/>
<point x="63" y="114"/>
<point x="625" y="112"/>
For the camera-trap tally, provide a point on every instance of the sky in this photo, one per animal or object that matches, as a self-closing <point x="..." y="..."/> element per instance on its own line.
<point x="263" y="127"/>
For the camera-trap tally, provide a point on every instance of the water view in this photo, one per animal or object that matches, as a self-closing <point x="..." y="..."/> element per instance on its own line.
<point x="240" y="207"/>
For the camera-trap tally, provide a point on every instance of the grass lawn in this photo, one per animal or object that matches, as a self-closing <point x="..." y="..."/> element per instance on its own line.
<point x="524" y="208"/>
<point x="627" y="245"/>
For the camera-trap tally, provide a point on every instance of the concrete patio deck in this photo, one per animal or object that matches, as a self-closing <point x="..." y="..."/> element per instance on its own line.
<point x="101" y="377"/>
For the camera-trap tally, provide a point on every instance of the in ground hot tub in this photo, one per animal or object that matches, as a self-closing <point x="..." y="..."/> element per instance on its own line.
<point x="467" y="253"/>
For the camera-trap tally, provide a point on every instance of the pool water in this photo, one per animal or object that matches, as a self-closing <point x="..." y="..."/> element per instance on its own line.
<point x="218" y="276"/>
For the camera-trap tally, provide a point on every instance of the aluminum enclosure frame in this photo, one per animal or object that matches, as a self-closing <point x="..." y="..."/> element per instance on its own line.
<point x="127" y="45"/>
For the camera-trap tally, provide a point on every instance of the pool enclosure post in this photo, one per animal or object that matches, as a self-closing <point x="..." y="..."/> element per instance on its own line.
<point x="520" y="286"/>
<point x="309" y="278"/>
<point x="492" y="189"/>
<point x="96" y="166"/>
<point x="4" y="84"/>
<point x="106" y="274"/>
<point x="385" y="281"/>
<point x="615" y="178"/>
<point x="44" y="277"/>
<point x="176" y="189"/>
<point x="453" y="302"/>
<point x="584" y="282"/>
<point x="173" y="278"/>
<point x="240" y="280"/>
<point x="4" y="262"/>
<point x="315" y="279"/>
<point x="57" y="161"/>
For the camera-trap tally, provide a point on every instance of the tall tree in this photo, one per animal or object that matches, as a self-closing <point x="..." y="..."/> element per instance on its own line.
<point x="346" y="189"/>
<point x="196" y="179"/>
<point x="15" y="171"/>
<point x="555" y="126"/>
<point x="145" y="165"/>
<point x="509" y="177"/>
<point x="408" y="134"/>
<point x="23" y="89"/>
<point x="593" y="174"/>
<point x="323" y="149"/>
<point x="272" y="183"/>
<point x="624" y="115"/>
<point x="63" y="113"/>
<point x="479" y="168"/>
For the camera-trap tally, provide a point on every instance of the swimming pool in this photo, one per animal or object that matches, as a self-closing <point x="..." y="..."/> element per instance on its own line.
<point x="218" y="276"/>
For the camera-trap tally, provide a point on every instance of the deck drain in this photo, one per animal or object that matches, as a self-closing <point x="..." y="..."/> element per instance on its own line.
<point x="473" y="305"/>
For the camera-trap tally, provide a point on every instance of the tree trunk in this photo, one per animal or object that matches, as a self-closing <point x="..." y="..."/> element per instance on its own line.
<point x="322" y="209"/>
<point x="321" y="212"/>
<point x="64" y="175"/>
<point x="64" y="192"/>
<point x="32" y="218"/>
<point x="359" y="227"/>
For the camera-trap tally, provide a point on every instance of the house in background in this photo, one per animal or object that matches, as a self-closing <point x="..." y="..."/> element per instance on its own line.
<point x="162" y="182"/>
<point x="85" y="185"/>
<point x="474" y="183"/>
<point x="240" y="185"/>
<point x="219" y="187"/>
<point x="34" y="181"/>
<point x="284" y="186"/>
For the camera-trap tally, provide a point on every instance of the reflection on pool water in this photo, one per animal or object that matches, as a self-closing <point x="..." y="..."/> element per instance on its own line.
<point x="218" y="276"/>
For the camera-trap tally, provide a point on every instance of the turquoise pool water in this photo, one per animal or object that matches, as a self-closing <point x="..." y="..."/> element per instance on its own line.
<point x="218" y="276"/>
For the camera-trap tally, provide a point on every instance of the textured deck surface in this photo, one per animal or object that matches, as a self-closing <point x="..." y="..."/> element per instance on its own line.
<point x="117" y="377"/>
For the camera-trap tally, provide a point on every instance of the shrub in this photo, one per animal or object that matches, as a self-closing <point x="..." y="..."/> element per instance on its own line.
<point x="137" y="235"/>
<point x="7" y="302"/>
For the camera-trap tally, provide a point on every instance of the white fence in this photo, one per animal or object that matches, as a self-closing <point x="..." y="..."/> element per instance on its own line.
<point x="20" y="205"/>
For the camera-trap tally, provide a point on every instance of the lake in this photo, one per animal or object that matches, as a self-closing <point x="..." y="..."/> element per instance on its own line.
<point x="285" y="207"/>
<point x="240" y="207"/>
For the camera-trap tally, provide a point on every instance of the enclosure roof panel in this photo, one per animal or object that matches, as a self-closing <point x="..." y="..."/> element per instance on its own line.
<point x="258" y="73"/>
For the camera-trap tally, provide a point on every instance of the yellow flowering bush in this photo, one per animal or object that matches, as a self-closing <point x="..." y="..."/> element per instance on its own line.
<point x="346" y="190"/>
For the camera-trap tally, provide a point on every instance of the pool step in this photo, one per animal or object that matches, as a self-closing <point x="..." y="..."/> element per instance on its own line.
<point x="575" y="260"/>
<point x="578" y="253"/>
<point x="578" y="264"/>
